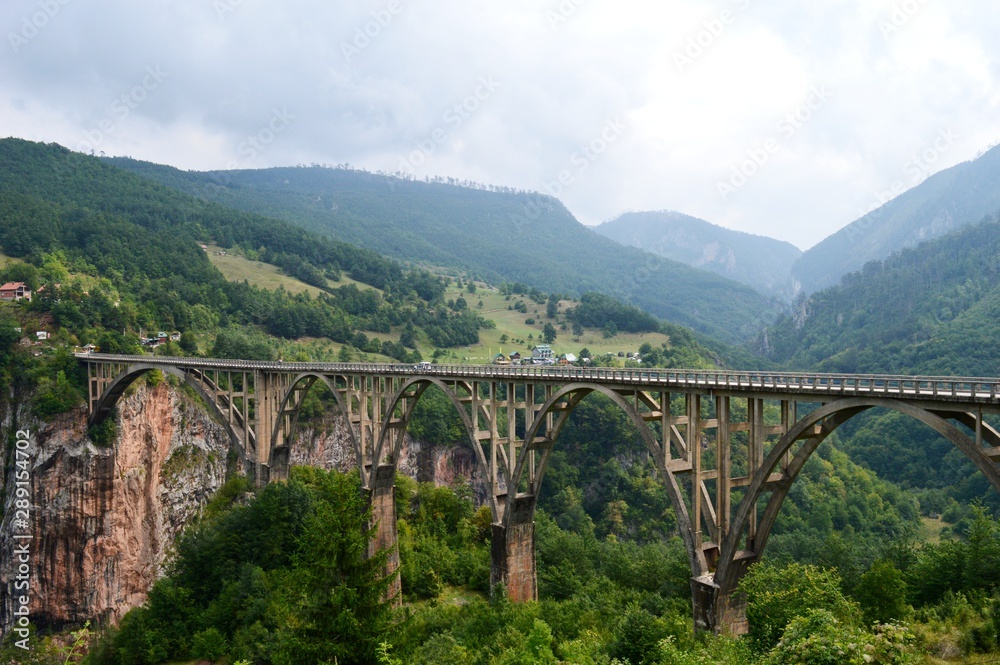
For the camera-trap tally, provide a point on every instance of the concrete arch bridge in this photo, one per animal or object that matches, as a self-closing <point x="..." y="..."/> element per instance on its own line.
<point x="728" y="444"/>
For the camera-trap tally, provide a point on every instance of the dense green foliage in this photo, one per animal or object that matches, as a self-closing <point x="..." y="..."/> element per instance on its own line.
<point x="137" y="241"/>
<point x="499" y="235"/>
<point x="596" y="310"/>
<point x="929" y="310"/>
<point x="284" y="579"/>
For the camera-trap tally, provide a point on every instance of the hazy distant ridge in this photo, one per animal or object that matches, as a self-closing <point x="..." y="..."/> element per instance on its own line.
<point x="757" y="261"/>
<point x="949" y="200"/>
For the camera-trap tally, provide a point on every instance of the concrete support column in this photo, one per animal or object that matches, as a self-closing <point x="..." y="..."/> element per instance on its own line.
<point x="715" y="611"/>
<point x="513" y="554"/>
<point x="383" y="502"/>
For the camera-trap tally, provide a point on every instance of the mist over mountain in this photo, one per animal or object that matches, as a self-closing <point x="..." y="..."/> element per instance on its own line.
<point x="946" y="201"/>
<point x="757" y="261"/>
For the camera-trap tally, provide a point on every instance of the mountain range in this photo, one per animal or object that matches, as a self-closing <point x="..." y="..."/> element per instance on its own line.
<point x="498" y="235"/>
<point x="946" y="201"/>
<point x="757" y="261"/>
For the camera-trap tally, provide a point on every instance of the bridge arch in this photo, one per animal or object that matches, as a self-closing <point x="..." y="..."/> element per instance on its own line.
<point x="310" y="379"/>
<point x="114" y="391"/>
<point x="812" y="430"/>
<point x="407" y="396"/>
<point x="564" y="401"/>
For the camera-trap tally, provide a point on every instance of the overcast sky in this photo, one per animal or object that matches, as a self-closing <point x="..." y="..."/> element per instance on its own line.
<point x="783" y="118"/>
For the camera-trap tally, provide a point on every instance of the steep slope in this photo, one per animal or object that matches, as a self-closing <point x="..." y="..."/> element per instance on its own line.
<point x="757" y="261"/>
<point x="140" y="241"/>
<point x="946" y="201"/>
<point x="499" y="235"/>
<point x="928" y="310"/>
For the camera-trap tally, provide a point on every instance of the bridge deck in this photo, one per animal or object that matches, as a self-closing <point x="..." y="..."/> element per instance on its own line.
<point x="822" y="387"/>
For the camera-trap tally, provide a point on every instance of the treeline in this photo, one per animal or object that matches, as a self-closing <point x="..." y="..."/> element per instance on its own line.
<point x="599" y="311"/>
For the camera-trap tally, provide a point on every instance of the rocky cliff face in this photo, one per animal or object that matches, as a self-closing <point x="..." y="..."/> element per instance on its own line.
<point x="103" y="520"/>
<point x="328" y="446"/>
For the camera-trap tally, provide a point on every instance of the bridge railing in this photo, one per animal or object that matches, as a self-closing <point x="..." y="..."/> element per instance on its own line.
<point x="913" y="387"/>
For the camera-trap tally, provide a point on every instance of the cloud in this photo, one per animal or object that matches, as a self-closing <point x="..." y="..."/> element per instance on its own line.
<point x="385" y="84"/>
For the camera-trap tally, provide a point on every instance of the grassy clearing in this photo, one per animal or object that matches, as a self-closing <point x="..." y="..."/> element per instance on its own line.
<point x="235" y="267"/>
<point x="7" y="260"/>
<point x="512" y="333"/>
<point x="512" y="323"/>
<point x="930" y="529"/>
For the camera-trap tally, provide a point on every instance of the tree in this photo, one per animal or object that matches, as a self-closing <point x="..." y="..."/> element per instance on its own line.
<point x="638" y="637"/>
<point x="244" y="345"/>
<point x="549" y="333"/>
<point x="881" y="592"/>
<point x="188" y="342"/>
<point x="552" y="306"/>
<point x="335" y="589"/>
<point x="577" y="329"/>
<point x="776" y="595"/>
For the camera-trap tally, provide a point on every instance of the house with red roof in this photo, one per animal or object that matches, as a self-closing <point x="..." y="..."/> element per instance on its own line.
<point x="12" y="291"/>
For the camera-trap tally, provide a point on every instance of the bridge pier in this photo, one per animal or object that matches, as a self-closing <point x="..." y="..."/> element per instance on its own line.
<point x="716" y="611"/>
<point x="383" y="506"/>
<point x="513" y="557"/>
<point x="513" y="554"/>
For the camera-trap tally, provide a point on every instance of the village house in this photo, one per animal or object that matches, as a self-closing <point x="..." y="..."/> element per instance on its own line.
<point x="542" y="352"/>
<point x="567" y="359"/>
<point x="160" y="339"/>
<point x="12" y="291"/>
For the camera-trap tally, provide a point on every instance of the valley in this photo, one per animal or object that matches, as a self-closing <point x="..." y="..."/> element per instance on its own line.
<point x="109" y="252"/>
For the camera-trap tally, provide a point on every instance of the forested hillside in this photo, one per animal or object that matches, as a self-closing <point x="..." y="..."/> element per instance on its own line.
<point x="757" y="261"/>
<point x="112" y="256"/>
<point x="943" y="203"/>
<point x="498" y="235"/>
<point x="76" y="220"/>
<point x="928" y="310"/>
